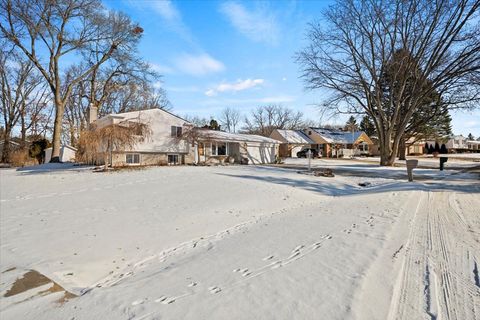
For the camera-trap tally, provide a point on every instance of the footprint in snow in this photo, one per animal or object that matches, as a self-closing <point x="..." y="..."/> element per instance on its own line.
<point x="297" y="248"/>
<point x="192" y="284"/>
<point x="268" y="258"/>
<point x="137" y="302"/>
<point x="214" y="290"/>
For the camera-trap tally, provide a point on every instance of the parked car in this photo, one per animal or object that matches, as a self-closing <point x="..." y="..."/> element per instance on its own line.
<point x="303" y="153"/>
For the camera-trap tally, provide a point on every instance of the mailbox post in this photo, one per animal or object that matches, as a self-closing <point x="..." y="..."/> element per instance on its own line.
<point x="411" y="164"/>
<point x="442" y="162"/>
<point x="309" y="156"/>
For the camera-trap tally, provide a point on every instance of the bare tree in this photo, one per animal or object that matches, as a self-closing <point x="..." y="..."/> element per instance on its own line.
<point x="230" y="118"/>
<point x="61" y="28"/>
<point x="106" y="140"/>
<point x="22" y="92"/>
<point x="263" y="120"/>
<point x="350" y="50"/>
<point x="197" y="121"/>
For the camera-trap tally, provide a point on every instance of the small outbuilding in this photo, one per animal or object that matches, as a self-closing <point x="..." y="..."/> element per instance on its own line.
<point x="67" y="154"/>
<point x="292" y="141"/>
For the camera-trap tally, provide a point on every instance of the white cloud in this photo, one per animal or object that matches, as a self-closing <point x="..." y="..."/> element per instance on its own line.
<point x="258" y="25"/>
<point x="240" y="85"/>
<point x="171" y="17"/>
<point x="198" y="64"/>
<point x="166" y="9"/>
<point x="162" y="69"/>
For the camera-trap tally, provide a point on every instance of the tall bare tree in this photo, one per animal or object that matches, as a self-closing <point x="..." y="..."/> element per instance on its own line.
<point x="21" y="93"/>
<point x="350" y="49"/>
<point x="60" y="28"/>
<point x="230" y="118"/>
<point x="263" y="120"/>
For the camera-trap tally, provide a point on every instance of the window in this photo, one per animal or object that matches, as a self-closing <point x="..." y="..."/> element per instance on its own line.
<point x="132" y="158"/>
<point x="176" y="131"/>
<point x="219" y="149"/>
<point x="173" y="159"/>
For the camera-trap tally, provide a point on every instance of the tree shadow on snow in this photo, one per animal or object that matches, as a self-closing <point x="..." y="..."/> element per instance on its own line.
<point x="333" y="187"/>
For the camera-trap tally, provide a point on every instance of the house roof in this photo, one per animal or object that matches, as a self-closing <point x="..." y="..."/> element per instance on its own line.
<point x="136" y="114"/>
<point x="294" y="136"/>
<point x="338" y="136"/>
<point x="234" y="137"/>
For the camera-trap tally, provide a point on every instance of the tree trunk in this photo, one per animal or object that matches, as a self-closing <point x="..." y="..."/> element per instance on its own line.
<point x="387" y="154"/>
<point x="57" y="131"/>
<point x="402" y="149"/>
<point x="6" y="145"/>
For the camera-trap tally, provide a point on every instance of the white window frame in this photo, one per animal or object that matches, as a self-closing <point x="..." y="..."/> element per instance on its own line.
<point x="214" y="146"/>
<point x="133" y="155"/>
<point x="175" y="163"/>
<point x="178" y="131"/>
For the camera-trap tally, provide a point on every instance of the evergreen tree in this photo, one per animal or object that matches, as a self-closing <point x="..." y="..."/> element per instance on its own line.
<point x="425" y="148"/>
<point x="471" y="137"/>
<point x="351" y="124"/>
<point x="437" y="147"/>
<point x="367" y="126"/>
<point x="431" y="149"/>
<point x="443" y="149"/>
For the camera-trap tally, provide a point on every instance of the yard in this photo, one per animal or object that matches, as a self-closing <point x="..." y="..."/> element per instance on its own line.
<point x="240" y="242"/>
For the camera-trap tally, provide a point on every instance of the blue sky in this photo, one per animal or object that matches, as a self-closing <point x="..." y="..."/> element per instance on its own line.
<point x="214" y="54"/>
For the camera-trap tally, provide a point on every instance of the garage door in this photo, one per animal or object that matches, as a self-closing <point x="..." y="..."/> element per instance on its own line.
<point x="258" y="154"/>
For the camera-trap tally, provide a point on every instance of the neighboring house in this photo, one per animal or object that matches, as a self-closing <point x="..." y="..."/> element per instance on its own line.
<point x="165" y="145"/>
<point x="459" y="144"/>
<point x="13" y="146"/>
<point x="67" y="154"/>
<point x="473" y="145"/>
<point x="292" y="141"/>
<point x="416" y="148"/>
<point x="456" y="143"/>
<point x="222" y="145"/>
<point x="338" y="143"/>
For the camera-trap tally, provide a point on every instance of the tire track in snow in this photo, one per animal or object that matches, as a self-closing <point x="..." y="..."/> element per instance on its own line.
<point x="440" y="257"/>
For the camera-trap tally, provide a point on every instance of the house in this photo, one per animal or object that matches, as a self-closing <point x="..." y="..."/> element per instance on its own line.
<point x="169" y="142"/>
<point x="242" y="148"/>
<point x="338" y="143"/>
<point x="164" y="145"/>
<point x="292" y="141"/>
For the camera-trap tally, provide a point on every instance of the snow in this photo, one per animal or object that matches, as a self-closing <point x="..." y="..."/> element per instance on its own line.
<point x="242" y="242"/>
<point x="338" y="136"/>
<point x="294" y="136"/>
<point x="236" y="137"/>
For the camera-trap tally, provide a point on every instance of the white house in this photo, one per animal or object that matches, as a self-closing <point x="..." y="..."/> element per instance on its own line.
<point x="169" y="142"/>
<point x="164" y="145"/>
<point x="243" y="148"/>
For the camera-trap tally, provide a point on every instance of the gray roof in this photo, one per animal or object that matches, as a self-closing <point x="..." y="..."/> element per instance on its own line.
<point x="338" y="136"/>
<point x="234" y="137"/>
<point x="294" y="136"/>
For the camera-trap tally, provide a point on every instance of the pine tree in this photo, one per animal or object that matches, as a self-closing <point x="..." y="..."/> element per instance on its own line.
<point x="437" y="147"/>
<point x="470" y="136"/>
<point x="367" y="126"/>
<point x="443" y="149"/>
<point x="351" y="124"/>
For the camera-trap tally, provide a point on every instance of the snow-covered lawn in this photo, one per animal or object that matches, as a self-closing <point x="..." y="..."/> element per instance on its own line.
<point x="240" y="242"/>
